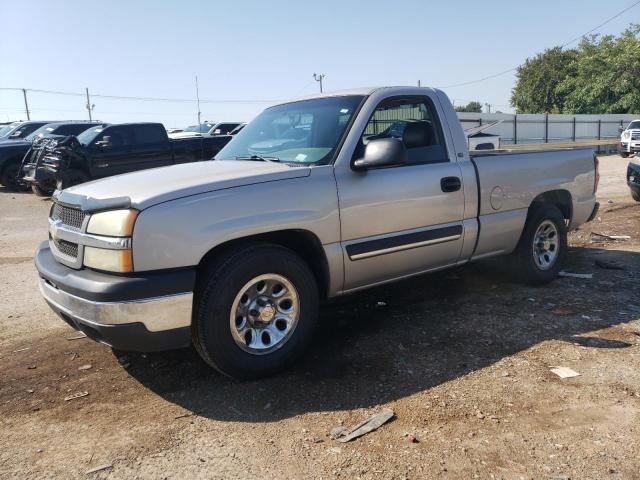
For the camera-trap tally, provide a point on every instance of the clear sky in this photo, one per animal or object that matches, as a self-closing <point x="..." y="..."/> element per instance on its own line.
<point x="249" y="53"/>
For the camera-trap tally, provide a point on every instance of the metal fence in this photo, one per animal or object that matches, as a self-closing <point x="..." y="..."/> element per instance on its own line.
<point x="524" y="128"/>
<point x="549" y="128"/>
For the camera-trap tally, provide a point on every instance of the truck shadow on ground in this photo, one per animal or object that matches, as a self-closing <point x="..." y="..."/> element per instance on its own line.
<point x="395" y="341"/>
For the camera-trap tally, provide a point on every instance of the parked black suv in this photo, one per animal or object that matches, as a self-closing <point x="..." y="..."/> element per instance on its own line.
<point x="12" y="152"/>
<point x="108" y="150"/>
<point x="19" y="130"/>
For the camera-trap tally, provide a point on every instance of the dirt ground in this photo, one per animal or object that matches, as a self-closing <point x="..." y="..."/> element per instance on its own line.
<point x="461" y="357"/>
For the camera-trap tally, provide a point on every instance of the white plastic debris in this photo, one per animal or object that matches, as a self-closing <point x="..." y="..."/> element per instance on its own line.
<point x="565" y="372"/>
<point x="373" y="423"/>
<point x="76" y="395"/>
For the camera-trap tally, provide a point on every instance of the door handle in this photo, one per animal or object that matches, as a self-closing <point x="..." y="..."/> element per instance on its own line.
<point x="450" y="184"/>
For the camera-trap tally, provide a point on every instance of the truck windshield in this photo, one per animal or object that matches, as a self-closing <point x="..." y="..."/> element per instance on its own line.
<point x="305" y="132"/>
<point x="45" y="130"/>
<point x="633" y="125"/>
<point x="86" y="137"/>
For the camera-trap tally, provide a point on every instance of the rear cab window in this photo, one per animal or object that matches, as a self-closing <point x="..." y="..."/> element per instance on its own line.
<point x="149" y="134"/>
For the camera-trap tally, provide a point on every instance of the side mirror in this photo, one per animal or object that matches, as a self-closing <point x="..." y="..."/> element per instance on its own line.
<point x="216" y="131"/>
<point x="105" y="142"/>
<point x="382" y="152"/>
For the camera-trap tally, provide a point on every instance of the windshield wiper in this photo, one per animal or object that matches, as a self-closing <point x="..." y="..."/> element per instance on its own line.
<point x="258" y="158"/>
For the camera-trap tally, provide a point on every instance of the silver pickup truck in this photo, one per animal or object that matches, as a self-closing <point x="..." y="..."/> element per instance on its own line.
<point x="315" y="198"/>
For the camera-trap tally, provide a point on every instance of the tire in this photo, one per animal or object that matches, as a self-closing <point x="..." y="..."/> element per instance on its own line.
<point x="72" y="177"/>
<point x="531" y="265"/>
<point x="624" y="154"/>
<point x="9" y="177"/>
<point x="635" y="193"/>
<point x="43" y="190"/>
<point x="221" y="322"/>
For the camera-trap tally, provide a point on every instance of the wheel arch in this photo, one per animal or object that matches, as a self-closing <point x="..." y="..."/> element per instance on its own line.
<point x="560" y="198"/>
<point x="303" y="242"/>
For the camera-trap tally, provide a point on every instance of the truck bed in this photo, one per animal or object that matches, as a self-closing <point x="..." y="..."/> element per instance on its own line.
<point x="510" y="181"/>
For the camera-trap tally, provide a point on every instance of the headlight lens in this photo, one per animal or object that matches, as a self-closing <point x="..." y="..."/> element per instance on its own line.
<point x="110" y="260"/>
<point x="114" y="223"/>
<point x="626" y="134"/>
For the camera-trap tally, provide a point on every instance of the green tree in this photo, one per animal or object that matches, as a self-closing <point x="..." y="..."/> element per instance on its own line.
<point x="607" y="75"/>
<point x="474" y="107"/>
<point x="536" y="89"/>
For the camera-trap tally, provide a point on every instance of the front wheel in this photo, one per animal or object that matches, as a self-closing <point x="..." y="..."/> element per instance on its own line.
<point x="635" y="193"/>
<point x="9" y="177"/>
<point x="44" y="190"/>
<point x="624" y="154"/>
<point x="542" y="247"/>
<point x="256" y="310"/>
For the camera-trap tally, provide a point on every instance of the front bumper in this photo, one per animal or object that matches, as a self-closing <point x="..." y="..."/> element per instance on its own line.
<point x="146" y="312"/>
<point x="630" y="146"/>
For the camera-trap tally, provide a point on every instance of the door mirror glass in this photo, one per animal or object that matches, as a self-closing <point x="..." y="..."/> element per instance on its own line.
<point x="382" y="152"/>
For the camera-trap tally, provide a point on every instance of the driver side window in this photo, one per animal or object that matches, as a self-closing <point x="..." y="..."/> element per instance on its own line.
<point x="120" y="137"/>
<point x="412" y="120"/>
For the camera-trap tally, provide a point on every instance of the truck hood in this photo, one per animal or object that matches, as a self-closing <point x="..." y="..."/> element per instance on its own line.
<point x="145" y="188"/>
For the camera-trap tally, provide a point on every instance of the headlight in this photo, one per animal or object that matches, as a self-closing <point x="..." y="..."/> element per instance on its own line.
<point x="114" y="223"/>
<point x="626" y="134"/>
<point x="110" y="260"/>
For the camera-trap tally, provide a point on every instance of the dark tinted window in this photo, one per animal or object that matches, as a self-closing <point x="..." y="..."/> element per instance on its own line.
<point x="120" y="136"/>
<point x="26" y="130"/>
<point x="150" y="134"/>
<point x="71" y="129"/>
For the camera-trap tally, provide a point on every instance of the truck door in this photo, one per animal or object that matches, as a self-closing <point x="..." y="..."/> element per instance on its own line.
<point x="109" y="152"/>
<point x="151" y="148"/>
<point x="401" y="220"/>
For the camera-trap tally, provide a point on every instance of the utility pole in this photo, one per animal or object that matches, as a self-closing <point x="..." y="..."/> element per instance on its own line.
<point x="26" y="104"/>
<point x="419" y="83"/>
<point x="488" y="105"/>
<point x="318" y="78"/>
<point x="89" y="105"/>
<point x="198" y="102"/>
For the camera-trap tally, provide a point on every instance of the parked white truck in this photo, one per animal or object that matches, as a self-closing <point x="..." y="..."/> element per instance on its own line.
<point x="313" y="199"/>
<point x="630" y="139"/>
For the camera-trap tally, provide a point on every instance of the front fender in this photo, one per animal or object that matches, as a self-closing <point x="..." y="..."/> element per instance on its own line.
<point x="179" y="233"/>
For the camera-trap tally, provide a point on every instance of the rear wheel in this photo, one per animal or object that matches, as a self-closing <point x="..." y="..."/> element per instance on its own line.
<point x="635" y="193"/>
<point x="624" y="154"/>
<point x="543" y="244"/>
<point x="256" y="310"/>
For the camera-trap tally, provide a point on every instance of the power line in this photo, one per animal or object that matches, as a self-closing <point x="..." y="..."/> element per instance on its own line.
<point x="504" y="72"/>
<point x="144" y="99"/>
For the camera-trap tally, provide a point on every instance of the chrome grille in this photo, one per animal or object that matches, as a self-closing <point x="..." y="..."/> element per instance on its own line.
<point x="66" y="248"/>
<point x="635" y="136"/>
<point x="69" y="216"/>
